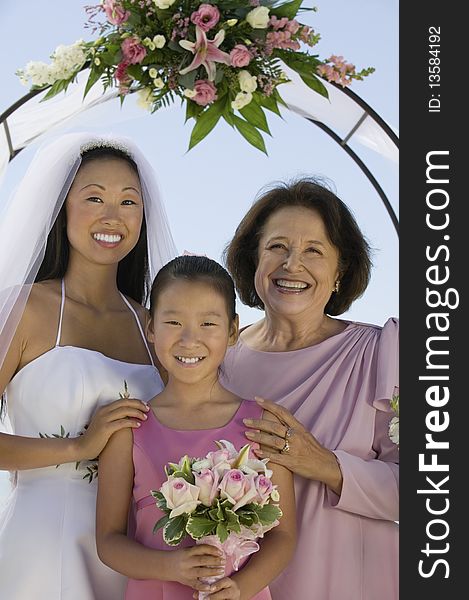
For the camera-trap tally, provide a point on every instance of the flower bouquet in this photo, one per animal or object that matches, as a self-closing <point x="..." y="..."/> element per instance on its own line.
<point x="221" y="58"/>
<point x="226" y="499"/>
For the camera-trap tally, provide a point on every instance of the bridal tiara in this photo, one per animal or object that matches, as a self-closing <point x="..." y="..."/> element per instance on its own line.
<point x="105" y="143"/>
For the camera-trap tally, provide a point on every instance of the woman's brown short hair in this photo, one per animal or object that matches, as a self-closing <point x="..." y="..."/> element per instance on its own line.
<point x="241" y="254"/>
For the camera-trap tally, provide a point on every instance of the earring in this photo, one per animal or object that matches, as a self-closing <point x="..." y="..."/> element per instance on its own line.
<point x="336" y="286"/>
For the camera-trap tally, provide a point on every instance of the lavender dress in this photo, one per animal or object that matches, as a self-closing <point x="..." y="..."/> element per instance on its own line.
<point x="154" y="446"/>
<point x="340" y="390"/>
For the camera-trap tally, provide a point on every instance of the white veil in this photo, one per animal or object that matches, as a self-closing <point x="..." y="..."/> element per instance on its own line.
<point x="28" y="215"/>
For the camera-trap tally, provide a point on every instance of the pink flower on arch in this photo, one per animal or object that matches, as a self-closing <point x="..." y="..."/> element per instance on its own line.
<point x="206" y="17"/>
<point x="206" y="52"/>
<point x="240" y="56"/>
<point x="206" y="92"/>
<point x="133" y="51"/>
<point x="115" y="13"/>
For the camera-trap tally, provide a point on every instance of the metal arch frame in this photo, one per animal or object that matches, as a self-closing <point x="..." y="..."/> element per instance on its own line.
<point x="341" y="141"/>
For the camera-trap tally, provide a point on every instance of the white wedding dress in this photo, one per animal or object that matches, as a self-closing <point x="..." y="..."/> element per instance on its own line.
<point x="47" y="529"/>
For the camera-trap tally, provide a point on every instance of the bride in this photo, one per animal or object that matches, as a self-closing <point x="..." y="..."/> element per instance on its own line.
<point x="79" y="241"/>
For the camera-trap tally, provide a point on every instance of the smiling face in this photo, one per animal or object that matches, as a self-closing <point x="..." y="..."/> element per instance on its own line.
<point x="298" y="265"/>
<point x="191" y="330"/>
<point x="104" y="211"/>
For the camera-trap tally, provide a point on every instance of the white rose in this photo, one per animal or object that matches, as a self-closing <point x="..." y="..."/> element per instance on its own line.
<point x="258" y="18"/>
<point x="159" y="41"/>
<point x="242" y="99"/>
<point x="180" y="495"/>
<point x="144" y="98"/>
<point x="247" y="82"/>
<point x="153" y="73"/>
<point x="163" y="4"/>
<point x="394" y="430"/>
<point x="190" y="94"/>
<point x="158" y="83"/>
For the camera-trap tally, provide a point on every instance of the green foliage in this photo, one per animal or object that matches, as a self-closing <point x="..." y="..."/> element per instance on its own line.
<point x="250" y="133"/>
<point x="197" y="527"/>
<point x="174" y="530"/>
<point x="206" y="122"/>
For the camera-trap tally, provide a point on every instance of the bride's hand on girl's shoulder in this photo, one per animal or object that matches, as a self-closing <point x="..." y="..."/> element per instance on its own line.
<point x="120" y="414"/>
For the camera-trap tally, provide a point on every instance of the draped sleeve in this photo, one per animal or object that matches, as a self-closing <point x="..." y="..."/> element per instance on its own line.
<point x="371" y="487"/>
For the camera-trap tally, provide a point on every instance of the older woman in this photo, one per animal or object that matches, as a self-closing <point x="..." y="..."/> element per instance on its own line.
<point x="299" y="255"/>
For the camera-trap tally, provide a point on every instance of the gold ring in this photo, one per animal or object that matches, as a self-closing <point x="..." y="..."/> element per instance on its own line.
<point x="286" y="448"/>
<point x="289" y="433"/>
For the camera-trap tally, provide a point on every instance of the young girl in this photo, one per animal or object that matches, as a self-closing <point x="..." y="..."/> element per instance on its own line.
<point x="193" y="320"/>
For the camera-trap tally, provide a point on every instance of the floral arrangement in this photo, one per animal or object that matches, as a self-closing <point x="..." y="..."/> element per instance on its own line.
<point x="223" y="493"/>
<point x="394" y="423"/>
<point x="222" y="58"/>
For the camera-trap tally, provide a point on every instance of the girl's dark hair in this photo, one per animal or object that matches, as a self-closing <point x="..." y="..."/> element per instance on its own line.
<point x="241" y="254"/>
<point x="195" y="268"/>
<point x="133" y="278"/>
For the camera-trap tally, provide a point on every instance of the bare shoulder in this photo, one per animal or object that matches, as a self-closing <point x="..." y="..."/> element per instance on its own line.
<point x="38" y="326"/>
<point x="43" y="300"/>
<point x="142" y="312"/>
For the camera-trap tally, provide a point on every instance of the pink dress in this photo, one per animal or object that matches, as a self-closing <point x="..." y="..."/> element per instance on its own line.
<point x="339" y="389"/>
<point x="154" y="446"/>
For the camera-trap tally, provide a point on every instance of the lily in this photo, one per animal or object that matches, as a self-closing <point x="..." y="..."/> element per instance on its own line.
<point x="206" y="52"/>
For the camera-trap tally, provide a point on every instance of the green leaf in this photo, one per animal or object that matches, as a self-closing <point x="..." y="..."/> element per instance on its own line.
<point x="217" y="513"/>
<point x="228" y="116"/>
<point x="188" y="80"/>
<point x="270" y="103"/>
<point x="250" y="133"/>
<point x="248" y="519"/>
<point x="56" y="88"/>
<point x="197" y="527"/>
<point x="93" y="77"/>
<point x="268" y="513"/>
<point x="206" y="122"/>
<point x="161" y="523"/>
<point x="232" y="519"/>
<point x="315" y="84"/>
<point x="175" y="530"/>
<point x="222" y="532"/>
<point x="192" y="109"/>
<point x="288" y="10"/>
<point x="254" y="114"/>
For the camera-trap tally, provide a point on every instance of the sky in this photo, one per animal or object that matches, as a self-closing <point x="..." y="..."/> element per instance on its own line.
<point x="209" y="189"/>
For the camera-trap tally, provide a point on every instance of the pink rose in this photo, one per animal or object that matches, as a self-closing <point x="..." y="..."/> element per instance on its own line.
<point x="240" y="56"/>
<point x="206" y="92"/>
<point x="206" y="17"/>
<point x="115" y="13"/>
<point x="207" y="481"/>
<point x="121" y="72"/>
<point x="133" y="51"/>
<point x="264" y="488"/>
<point x="181" y="496"/>
<point x="239" y="488"/>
